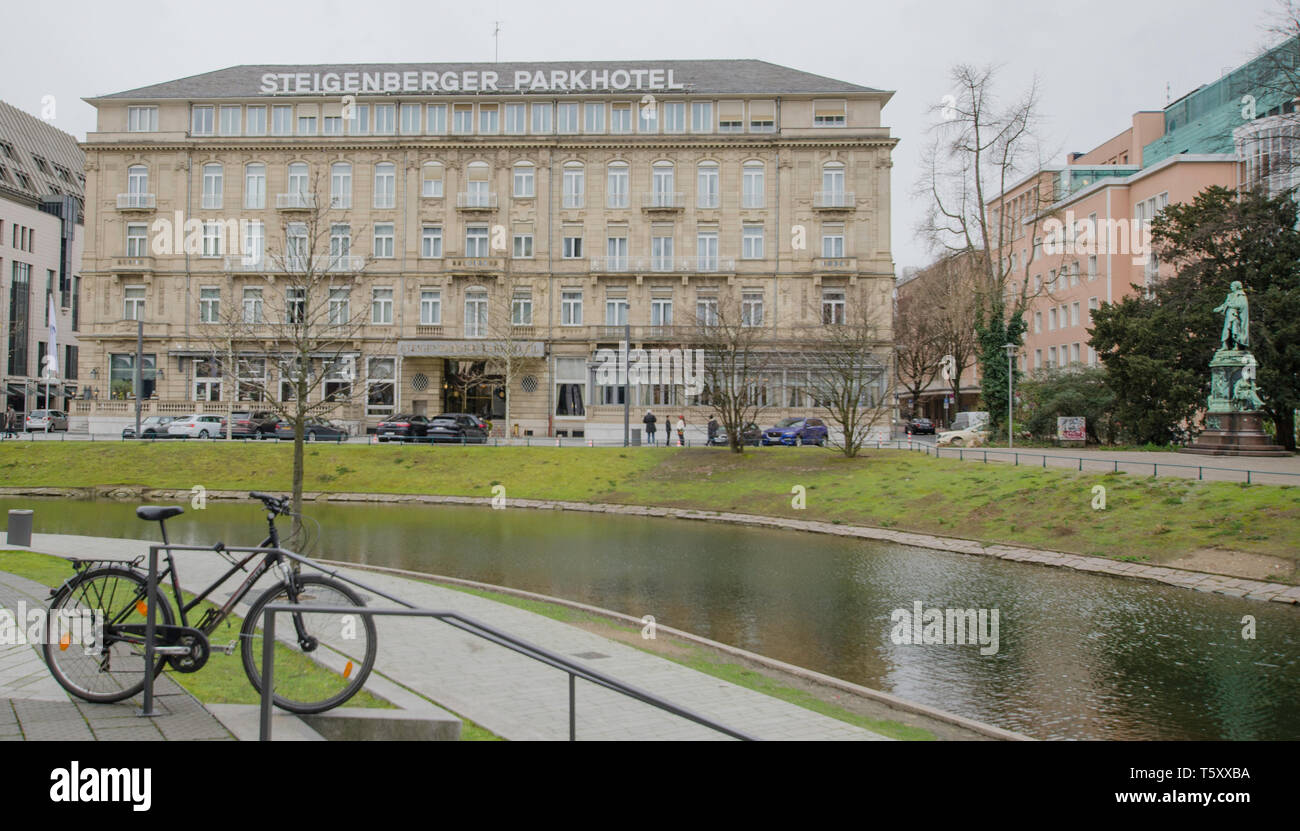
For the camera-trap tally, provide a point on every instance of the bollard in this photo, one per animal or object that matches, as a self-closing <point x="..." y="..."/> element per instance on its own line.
<point x="20" y="528"/>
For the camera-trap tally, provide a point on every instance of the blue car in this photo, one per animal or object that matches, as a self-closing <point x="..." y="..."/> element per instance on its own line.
<point x="795" y="431"/>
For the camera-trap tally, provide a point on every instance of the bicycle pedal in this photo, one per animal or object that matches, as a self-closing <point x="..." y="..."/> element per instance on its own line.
<point x="228" y="649"/>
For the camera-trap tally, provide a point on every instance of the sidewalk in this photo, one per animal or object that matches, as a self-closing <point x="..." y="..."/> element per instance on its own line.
<point x="511" y="695"/>
<point x="33" y="707"/>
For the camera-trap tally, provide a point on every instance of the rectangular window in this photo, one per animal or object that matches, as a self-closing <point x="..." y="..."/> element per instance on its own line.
<point x="1051" y="319"/>
<point x="542" y="119"/>
<point x="616" y="311"/>
<point x="1074" y="314"/>
<point x="616" y="187"/>
<point x="476" y="313"/>
<point x="1051" y="356"/>
<point x="202" y="121"/>
<point x="252" y="305"/>
<point x="762" y="116"/>
<point x="567" y="118"/>
<point x="255" y="186"/>
<point x="411" y="119"/>
<point x="384" y="240"/>
<point x="833" y="307"/>
<point x="572" y="247"/>
<point x="359" y="125"/>
<point x="436" y="115"/>
<point x="675" y="117"/>
<point x="306" y="125"/>
<point x="523" y="246"/>
<point x="295" y="305"/>
<point x="620" y="118"/>
<point x="385" y="119"/>
<point x="142" y="119"/>
<point x="752" y="190"/>
<point x="706" y="249"/>
<point x="752" y="242"/>
<point x="385" y="185"/>
<point x="521" y="309"/>
<point x="256" y="121"/>
<point x="661" y="253"/>
<point x="212" y="239"/>
<point x="281" y="120"/>
<point x="476" y="241"/>
<point x="431" y="181"/>
<point x="381" y="305"/>
<point x="431" y="242"/>
<point x="488" y="119"/>
<point x="706" y="311"/>
<point x="593" y="117"/>
<point x="1038" y="322"/>
<point x="833" y="242"/>
<point x="430" y="307"/>
<point x="516" y="119"/>
<point x="731" y="117"/>
<point x="133" y="303"/>
<point x="332" y="125"/>
<point x="340" y="313"/>
<point x="1038" y="359"/>
<point x="707" y="186"/>
<point x="231" y="121"/>
<point x="381" y="390"/>
<point x="462" y="119"/>
<point x="254" y="242"/>
<point x="751" y="309"/>
<point x="570" y="386"/>
<point x="701" y="116"/>
<point x="571" y="308"/>
<point x="137" y="240"/>
<point x="616" y="253"/>
<point x="341" y="186"/>
<point x="340" y="246"/>
<point x="209" y="305"/>
<point x="661" y="311"/>
<point x="829" y="113"/>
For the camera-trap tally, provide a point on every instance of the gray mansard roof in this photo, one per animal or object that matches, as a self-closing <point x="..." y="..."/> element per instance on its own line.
<point x="37" y="160"/>
<point x="724" y="77"/>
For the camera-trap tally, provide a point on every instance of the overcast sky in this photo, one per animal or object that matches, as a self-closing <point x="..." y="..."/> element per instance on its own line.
<point x="1096" y="66"/>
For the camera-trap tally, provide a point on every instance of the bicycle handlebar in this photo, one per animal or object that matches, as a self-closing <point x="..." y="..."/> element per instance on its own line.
<point x="277" y="504"/>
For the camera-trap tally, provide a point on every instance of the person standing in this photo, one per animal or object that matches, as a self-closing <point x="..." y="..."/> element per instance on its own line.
<point x="681" y="431"/>
<point x="649" y="422"/>
<point x="11" y="418"/>
<point x="713" y="430"/>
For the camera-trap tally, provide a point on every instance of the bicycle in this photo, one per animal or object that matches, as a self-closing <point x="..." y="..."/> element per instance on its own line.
<point x="339" y="650"/>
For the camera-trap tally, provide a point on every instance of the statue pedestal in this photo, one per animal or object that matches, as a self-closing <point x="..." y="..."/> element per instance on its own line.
<point x="1235" y="434"/>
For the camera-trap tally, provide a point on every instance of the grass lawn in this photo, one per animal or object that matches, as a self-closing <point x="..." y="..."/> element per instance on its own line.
<point x="1145" y="519"/>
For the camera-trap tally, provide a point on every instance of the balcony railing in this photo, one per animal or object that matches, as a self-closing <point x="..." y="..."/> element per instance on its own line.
<point x="834" y="199"/>
<point x="709" y="201"/>
<point x="573" y="200"/>
<point x="239" y="263"/>
<point x="138" y="264"/>
<point x="661" y="201"/>
<point x="664" y="265"/>
<point x="429" y="330"/>
<point x="345" y="263"/>
<point x="616" y="265"/>
<point x="136" y="201"/>
<point x="295" y="201"/>
<point x="473" y="201"/>
<point x="616" y="201"/>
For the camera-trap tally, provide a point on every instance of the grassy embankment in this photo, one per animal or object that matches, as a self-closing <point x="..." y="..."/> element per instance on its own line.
<point x="1146" y="519"/>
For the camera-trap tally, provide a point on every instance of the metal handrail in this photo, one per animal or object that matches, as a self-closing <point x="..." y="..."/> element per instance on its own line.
<point x="482" y="630"/>
<point x="1114" y="463"/>
<point x="455" y="619"/>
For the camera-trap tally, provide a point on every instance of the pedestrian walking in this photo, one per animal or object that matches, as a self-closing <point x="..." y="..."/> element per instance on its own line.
<point x="681" y="431"/>
<point x="11" y="421"/>
<point x="649" y="422"/>
<point x="713" y="430"/>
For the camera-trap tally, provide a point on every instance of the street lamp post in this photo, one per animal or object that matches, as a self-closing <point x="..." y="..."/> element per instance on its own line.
<point x="1011" y="354"/>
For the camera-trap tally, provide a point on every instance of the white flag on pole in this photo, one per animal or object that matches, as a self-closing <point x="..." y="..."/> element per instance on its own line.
<point x="53" y="355"/>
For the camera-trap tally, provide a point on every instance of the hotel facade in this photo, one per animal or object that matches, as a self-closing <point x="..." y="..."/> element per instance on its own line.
<point x="552" y="205"/>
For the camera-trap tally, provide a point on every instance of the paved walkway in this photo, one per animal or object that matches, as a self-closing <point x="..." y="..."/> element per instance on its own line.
<point x="33" y="707"/>
<point x="514" y="696"/>
<point x="1266" y="470"/>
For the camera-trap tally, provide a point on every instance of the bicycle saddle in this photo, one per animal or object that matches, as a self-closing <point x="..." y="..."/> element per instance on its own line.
<point x="157" y="513"/>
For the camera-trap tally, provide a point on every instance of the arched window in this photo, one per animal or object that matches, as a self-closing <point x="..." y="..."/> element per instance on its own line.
<point x="574" y="184"/>
<point x="341" y="185"/>
<point x="137" y="186"/>
<point x="706" y="190"/>
<point x="616" y="187"/>
<point x="431" y="176"/>
<point x="385" y="185"/>
<point x="833" y="194"/>
<point x="212" y="185"/>
<point x="478" y="183"/>
<point x="752" y="185"/>
<point x="255" y="185"/>
<point x="661" y="181"/>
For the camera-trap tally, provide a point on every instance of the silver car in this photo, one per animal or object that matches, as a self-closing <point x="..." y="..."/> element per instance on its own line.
<point x="46" y="421"/>
<point x="198" y="426"/>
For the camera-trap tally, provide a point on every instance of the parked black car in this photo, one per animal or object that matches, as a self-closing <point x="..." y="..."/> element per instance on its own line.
<point x="404" y="427"/>
<point x="314" y="429"/>
<point x="751" y="435"/>
<point x="918" y="426"/>
<point x="458" y="427"/>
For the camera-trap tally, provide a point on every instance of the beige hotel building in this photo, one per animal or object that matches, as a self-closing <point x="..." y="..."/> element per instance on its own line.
<point x="568" y="200"/>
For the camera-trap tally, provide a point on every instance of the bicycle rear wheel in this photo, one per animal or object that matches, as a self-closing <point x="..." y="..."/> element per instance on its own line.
<point x="113" y="668"/>
<point x="323" y="658"/>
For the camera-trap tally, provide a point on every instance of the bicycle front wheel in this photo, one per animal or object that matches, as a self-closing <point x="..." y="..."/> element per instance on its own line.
<point x="322" y="658"/>
<point x="112" y="667"/>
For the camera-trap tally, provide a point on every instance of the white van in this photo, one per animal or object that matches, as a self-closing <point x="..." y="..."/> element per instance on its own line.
<point x="969" y="420"/>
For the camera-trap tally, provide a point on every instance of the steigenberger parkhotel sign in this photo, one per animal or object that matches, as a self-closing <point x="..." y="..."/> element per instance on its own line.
<point x="467" y="80"/>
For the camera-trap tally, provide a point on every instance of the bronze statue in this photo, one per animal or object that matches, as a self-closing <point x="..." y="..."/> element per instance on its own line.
<point x="1236" y="318"/>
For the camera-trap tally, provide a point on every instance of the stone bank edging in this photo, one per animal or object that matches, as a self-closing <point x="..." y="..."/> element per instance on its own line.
<point x="1184" y="578"/>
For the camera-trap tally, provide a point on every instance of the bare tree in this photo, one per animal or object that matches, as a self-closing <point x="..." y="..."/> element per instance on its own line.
<point x="509" y="348"/>
<point x="735" y="363"/>
<point x="299" y="319"/>
<point x="917" y="354"/>
<point x="848" y="367"/>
